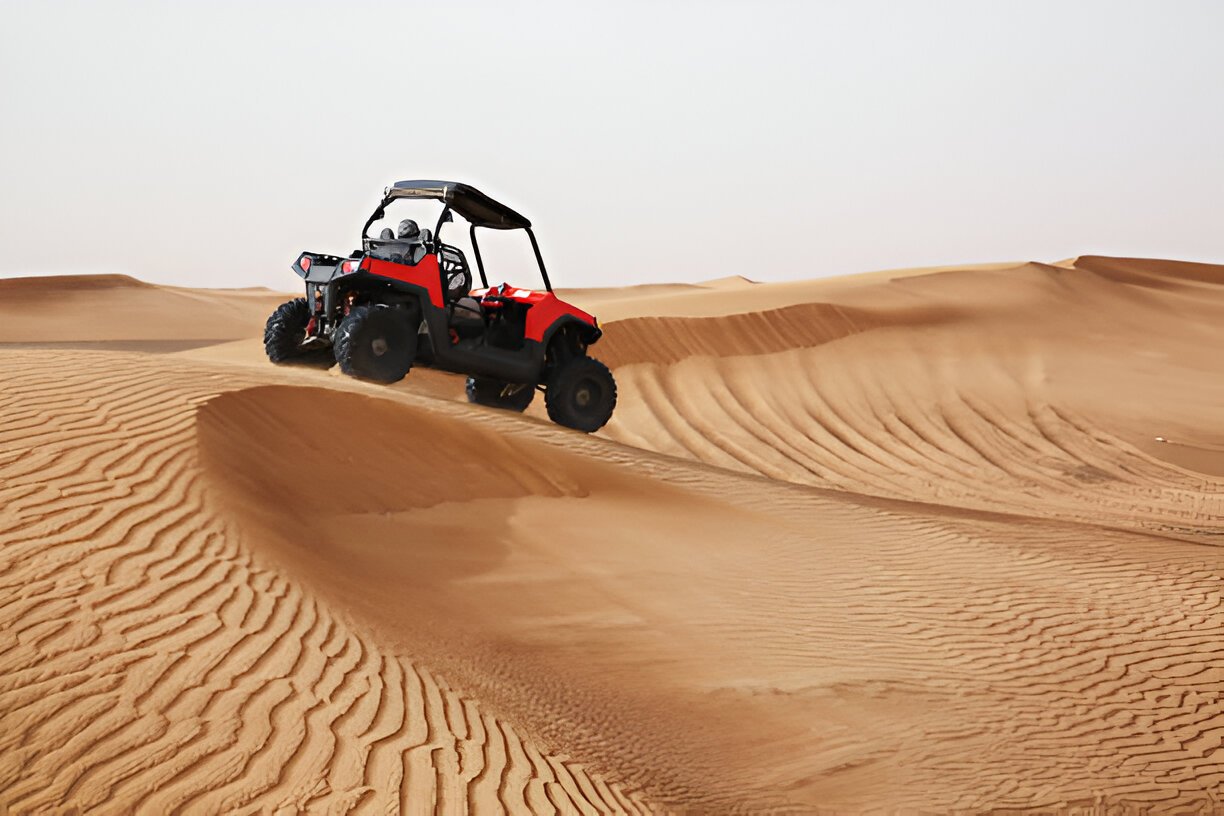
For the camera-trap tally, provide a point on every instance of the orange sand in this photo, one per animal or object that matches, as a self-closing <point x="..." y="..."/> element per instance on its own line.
<point x="926" y="540"/>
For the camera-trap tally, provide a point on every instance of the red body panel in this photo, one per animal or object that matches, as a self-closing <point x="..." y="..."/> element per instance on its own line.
<point x="545" y="309"/>
<point x="425" y="274"/>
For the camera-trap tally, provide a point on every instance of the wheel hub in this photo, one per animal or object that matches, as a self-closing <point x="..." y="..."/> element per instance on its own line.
<point x="379" y="346"/>
<point x="583" y="397"/>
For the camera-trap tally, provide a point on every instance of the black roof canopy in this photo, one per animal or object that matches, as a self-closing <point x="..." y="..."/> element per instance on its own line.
<point x="475" y="206"/>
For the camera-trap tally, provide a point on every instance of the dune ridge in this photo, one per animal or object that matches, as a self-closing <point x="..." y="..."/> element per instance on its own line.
<point x="982" y="407"/>
<point x="667" y="340"/>
<point x="188" y="675"/>
<point x="83" y="309"/>
<point x="54" y="284"/>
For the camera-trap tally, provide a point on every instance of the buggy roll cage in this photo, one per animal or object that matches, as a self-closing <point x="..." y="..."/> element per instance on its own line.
<point x="476" y="208"/>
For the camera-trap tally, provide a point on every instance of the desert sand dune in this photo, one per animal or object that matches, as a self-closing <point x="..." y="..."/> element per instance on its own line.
<point x="909" y="544"/>
<point x="738" y="295"/>
<point x="119" y="311"/>
<point x="152" y="662"/>
<point x="1035" y="390"/>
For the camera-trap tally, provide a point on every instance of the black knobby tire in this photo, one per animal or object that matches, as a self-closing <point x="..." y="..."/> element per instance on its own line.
<point x="493" y="393"/>
<point x="284" y="333"/>
<point x="581" y="394"/>
<point x="374" y="343"/>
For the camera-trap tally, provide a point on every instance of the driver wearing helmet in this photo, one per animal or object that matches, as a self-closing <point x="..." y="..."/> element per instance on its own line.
<point x="408" y="231"/>
<point x="405" y="246"/>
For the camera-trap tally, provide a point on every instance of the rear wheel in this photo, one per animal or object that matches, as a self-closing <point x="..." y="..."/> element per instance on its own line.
<point x="497" y="394"/>
<point x="284" y="334"/>
<point x="581" y="394"/>
<point x="375" y="343"/>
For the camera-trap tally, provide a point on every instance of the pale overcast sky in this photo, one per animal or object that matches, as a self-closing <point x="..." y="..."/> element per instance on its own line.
<point x="207" y="143"/>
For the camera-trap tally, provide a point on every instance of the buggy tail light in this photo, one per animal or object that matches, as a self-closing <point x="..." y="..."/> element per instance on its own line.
<point x="348" y="267"/>
<point x="305" y="263"/>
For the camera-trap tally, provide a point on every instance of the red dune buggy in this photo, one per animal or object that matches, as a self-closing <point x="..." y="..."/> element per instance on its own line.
<point x="406" y="298"/>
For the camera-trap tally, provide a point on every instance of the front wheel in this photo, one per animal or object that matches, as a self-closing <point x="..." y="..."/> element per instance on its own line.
<point x="284" y="334"/>
<point x="497" y="394"/>
<point x="374" y="343"/>
<point x="581" y="394"/>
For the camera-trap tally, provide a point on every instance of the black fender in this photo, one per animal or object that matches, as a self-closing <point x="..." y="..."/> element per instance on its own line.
<point x="553" y="352"/>
<point x="386" y="290"/>
<point x="587" y="333"/>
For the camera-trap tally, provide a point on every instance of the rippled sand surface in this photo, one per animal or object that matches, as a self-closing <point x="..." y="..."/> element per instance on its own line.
<point x="928" y="540"/>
